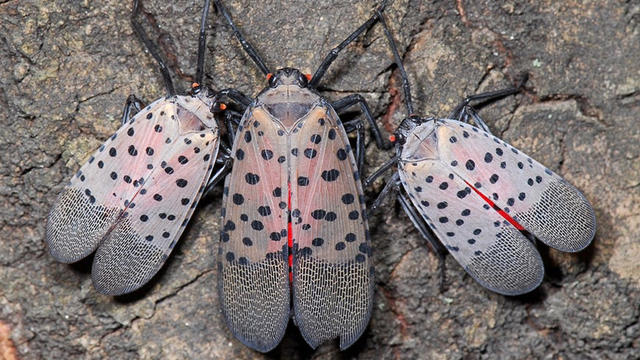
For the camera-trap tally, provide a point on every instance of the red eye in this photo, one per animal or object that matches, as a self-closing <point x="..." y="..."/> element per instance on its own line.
<point x="392" y="138"/>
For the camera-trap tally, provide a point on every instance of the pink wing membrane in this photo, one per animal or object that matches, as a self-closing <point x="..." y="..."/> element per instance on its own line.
<point x="156" y="217"/>
<point x="446" y="167"/>
<point x="148" y="177"/>
<point x="332" y="275"/>
<point x="93" y="200"/>
<point x="253" y="267"/>
<point x="537" y="198"/>
<point x="332" y="271"/>
<point x="490" y="249"/>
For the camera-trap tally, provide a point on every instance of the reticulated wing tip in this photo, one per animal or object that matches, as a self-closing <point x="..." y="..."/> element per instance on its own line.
<point x="332" y="268"/>
<point x="562" y="217"/>
<point x="125" y="261"/>
<point x="510" y="266"/>
<point x="253" y="280"/>
<point x="76" y="225"/>
<point x="254" y="302"/>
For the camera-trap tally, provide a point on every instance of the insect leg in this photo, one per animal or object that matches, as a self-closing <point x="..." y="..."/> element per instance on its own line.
<point x="219" y="175"/>
<point x="151" y="47"/>
<point x="333" y="54"/>
<point x="417" y="221"/>
<point x="351" y="125"/>
<point x="232" y="94"/>
<point x="223" y="156"/>
<point x="360" y="146"/>
<point x="435" y="245"/>
<point x="235" y="116"/>
<point x="132" y="103"/>
<point x="390" y="185"/>
<point x="354" y="99"/>
<point x="253" y="54"/>
<point x="231" y="118"/>
<point x="381" y="170"/>
<point x="469" y="112"/>
<point x="227" y="122"/>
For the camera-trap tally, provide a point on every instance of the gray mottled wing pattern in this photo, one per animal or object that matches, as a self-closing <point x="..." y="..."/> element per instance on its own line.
<point x="253" y="267"/>
<point x="332" y="270"/>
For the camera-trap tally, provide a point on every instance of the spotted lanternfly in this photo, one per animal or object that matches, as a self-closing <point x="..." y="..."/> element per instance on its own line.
<point x="132" y="199"/>
<point x="482" y="197"/>
<point x="295" y="242"/>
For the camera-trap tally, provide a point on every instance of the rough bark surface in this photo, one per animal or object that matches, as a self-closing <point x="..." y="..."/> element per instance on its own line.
<point x="66" y="68"/>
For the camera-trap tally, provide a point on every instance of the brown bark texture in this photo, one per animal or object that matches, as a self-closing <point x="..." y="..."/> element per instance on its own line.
<point x="66" y="68"/>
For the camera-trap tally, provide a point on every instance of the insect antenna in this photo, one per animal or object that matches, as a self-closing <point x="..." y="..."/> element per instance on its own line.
<point x="487" y="97"/>
<point x="151" y="47"/>
<point x="253" y="54"/>
<point x="202" y="42"/>
<point x="403" y="74"/>
<point x="333" y="54"/>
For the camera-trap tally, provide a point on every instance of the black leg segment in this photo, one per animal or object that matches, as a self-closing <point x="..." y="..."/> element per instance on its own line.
<point x="392" y="184"/>
<point x="132" y="103"/>
<point x="151" y="47"/>
<point x="230" y="119"/>
<point x="381" y="170"/>
<point x="333" y="54"/>
<point x="219" y="175"/>
<point x="468" y="113"/>
<point x="354" y="99"/>
<point x="253" y="54"/>
<point x="436" y="246"/>
<point x="234" y="95"/>
<point x="487" y="97"/>
<point x="360" y="146"/>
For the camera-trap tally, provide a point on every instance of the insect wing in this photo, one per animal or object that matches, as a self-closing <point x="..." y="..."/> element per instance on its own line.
<point x="149" y="176"/>
<point x="93" y="200"/>
<point x="156" y="217"/>
<point x="332" y="271"/>
<point x="489" y="248"/>
<point x="537" y="198"/>
<point x="253" y="255"/>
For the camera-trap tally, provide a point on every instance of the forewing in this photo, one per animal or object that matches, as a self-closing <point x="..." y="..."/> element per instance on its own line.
<point x="490" y="248"/>
<point x="537" y="198"/>
<point x="95" y="197"/>
<point x="253" y="266"/>
<point x="332" y="271"/>
<point x="156" y="216"/>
